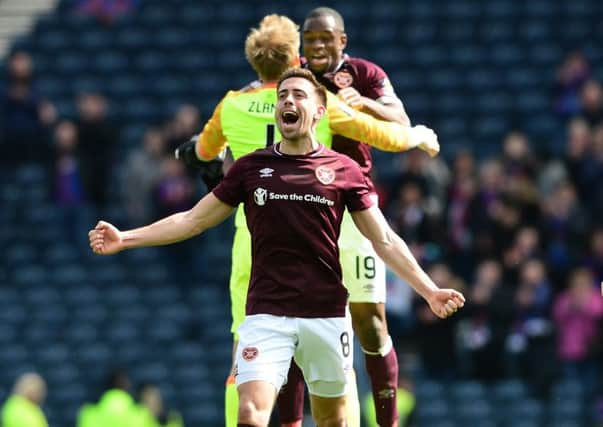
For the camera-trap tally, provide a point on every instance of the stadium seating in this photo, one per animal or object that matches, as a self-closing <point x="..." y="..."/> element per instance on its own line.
<point x="72" y="317"/>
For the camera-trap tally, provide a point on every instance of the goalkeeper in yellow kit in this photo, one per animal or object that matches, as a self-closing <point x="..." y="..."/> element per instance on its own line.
<point x="243" y="121"/>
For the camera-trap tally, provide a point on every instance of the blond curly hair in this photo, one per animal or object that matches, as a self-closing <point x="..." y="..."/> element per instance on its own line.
<point x="273" y="46"/>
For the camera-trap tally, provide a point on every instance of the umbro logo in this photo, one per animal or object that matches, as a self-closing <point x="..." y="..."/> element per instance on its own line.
<point x="266" y="173"/>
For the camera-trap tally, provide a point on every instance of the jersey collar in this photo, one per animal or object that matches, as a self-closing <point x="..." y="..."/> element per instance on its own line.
<point x="276" y="148"/>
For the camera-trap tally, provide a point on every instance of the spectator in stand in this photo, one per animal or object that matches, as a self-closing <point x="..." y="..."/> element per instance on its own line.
<point x="505" y="221"/>
<point x="174" y="190"/>
<point x="408" y="215"/>
<point x="591" y="100"/>
<point x="485" y="206"/>
<point x="24" y="116"/>
<point x="580" y="164"/>
<point x="533" y="297"/>
<point x="519" y="169"/>
<point x="432" y="175"/>
<point x="186" y="122"/>
<point x="577" y="314"/>
<point x="459" y="198"/>
<point x="142" y="174"/>
<point x="485" y="326"/>
<point x="98" y="138"/>
<point x="531" y="341"/>
<point x="571" y="75"/>
<point x="23" y="407"/>
<point x="115" y="408"/>
<point x="565" y="226"/>
<point x="517" y="155"/>
<point x="67" y="173"/>
<point x="525" y="244"/>
<point x="151" y="410"/>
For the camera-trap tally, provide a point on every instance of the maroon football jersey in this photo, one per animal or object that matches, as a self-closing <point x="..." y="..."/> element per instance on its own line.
<point x="294" y="205"/>
<point x="369" y="80"/>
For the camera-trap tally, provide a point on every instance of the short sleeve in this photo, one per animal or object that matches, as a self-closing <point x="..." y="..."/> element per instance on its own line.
<point x="357" y="194"/>
<point x="231" y="189"/>
<point x="379" y="85"/>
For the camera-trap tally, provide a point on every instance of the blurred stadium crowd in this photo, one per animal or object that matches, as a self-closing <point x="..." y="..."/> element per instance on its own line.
<point x="94" y="101"/>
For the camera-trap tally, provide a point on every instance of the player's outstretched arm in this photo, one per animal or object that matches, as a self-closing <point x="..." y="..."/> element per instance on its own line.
<point x="106" y="239"/>
<point x="386" y="136"/>
<point x="395" y="253"/>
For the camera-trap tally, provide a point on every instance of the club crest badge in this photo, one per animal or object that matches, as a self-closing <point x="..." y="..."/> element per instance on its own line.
<point x="250" y="353"/>
<point x="325" y="174"/>
<point x="260" y="195"/>
<point x="343" y="79"/>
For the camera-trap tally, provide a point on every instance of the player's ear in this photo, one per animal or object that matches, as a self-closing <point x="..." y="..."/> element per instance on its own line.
<point x="320" y="112"/>
<point x="343" y="40"/>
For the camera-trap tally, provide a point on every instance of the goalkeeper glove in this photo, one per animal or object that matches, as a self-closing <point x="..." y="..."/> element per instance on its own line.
<point x="423" y="138"/>
<point x="211" y="170"/>
<point x="186" y="152"/>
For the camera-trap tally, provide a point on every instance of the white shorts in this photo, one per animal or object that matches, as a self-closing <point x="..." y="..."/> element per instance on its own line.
<point x="363" y="270"/>
<point x="322" y="348"/>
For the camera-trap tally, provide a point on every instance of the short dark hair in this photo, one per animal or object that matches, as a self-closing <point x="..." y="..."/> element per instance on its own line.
<point x="320" y="12"/>
<point x="303" y="73"/>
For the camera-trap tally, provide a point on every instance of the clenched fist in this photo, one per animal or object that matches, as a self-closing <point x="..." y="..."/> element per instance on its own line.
<point x="446" y="302"/>
<point x="351" y="96"/>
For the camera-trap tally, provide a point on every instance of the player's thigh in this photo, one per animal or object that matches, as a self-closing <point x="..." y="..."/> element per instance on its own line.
<point x="239" y="276"/>
<point x="363" y="270"/>
<point x="266" y="346"/>
<point x="325" y="354"/>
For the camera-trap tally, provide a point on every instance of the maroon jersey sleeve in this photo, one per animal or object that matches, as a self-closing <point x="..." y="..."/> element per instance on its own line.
<point x="376" y="82"/>
<point x="357" y="195"/>
<point x="231" y="190"/>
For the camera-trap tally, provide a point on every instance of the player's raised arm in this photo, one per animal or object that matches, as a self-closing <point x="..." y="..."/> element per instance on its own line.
<point x="106" y="239"/>
<point x="211" y="141"/>
<point x="396" y="254"/>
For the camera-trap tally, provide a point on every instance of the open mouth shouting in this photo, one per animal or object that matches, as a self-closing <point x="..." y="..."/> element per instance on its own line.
<point x="290" y="117"/>
<point x="289" y="121"/>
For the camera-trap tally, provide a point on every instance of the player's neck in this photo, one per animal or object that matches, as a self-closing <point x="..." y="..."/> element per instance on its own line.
<point x="336" y="66"/>
<point x="299" y="146"/>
